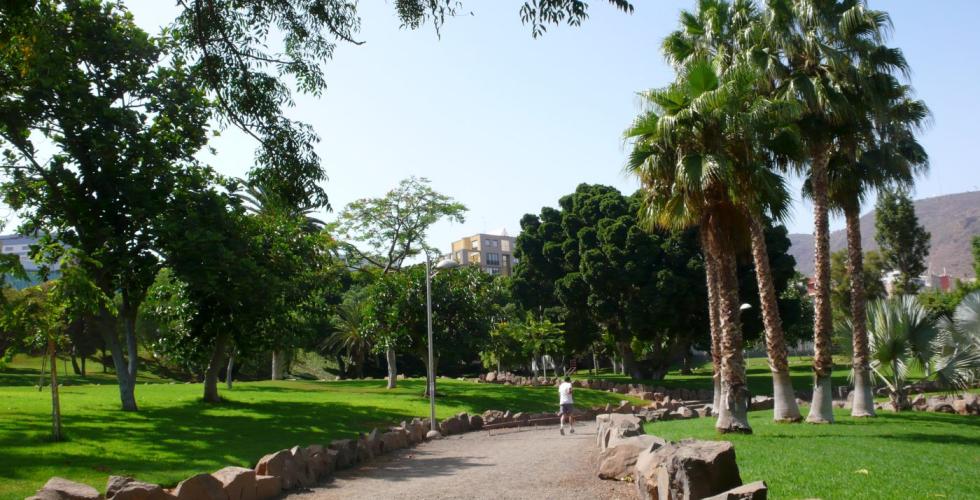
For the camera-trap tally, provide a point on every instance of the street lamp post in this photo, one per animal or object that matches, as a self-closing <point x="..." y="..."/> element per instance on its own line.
<point x="444" y="264"/>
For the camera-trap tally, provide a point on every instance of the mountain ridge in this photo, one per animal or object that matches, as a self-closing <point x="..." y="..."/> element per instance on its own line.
<point x="952" y="220"/>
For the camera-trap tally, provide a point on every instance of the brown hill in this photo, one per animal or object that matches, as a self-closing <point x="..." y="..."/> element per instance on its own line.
<point x="953" y="220"/>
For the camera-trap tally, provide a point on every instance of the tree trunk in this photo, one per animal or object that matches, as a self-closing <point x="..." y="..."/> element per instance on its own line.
<point x="126" y="383"/>
<point x="214" y="366"/>
<point x="595" y="363"/>
<point x="711" y="277"/>
<point x="74" y="363"/>
<point x="229" y="372"/>
<point x="821" y="408"/>
<point x="55" y="402"/>
<point x="733" y="413"/>
<point x="277" y="364"/>
<point x="630" y="366"/>
<point x="785" y="407"/>
<point x="392" y="367"/>
<point x="83" y="366"/>
<point x="863" y="403"/>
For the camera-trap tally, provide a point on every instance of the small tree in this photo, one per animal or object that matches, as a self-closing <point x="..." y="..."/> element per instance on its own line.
<point x="903" y="242"/>
<point x="42" y="315"/>
<point x="384" y="232"/>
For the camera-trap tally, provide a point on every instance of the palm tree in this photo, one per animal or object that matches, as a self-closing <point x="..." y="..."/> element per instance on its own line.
<point x="684" y="151"/>
<point x="352" y="335"/>
<point x="903" y="336"/>
<point x="881" y="152"/>
<point x="818" y="45"/>
<point x="726" y="33"/>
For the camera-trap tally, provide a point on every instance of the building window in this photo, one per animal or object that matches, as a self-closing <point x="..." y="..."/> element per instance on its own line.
<point x="505" y="245"/>
<point x="493" y="259"/>
<point x="475" y="244"/>
<point x="506" y="260"/>
<point x="495" y="271"/>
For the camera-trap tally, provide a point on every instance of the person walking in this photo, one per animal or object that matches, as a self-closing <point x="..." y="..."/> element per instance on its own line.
<point x="566" y="405"/>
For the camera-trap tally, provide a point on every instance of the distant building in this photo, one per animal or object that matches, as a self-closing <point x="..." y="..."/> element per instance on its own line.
<point x="21" y="247"/>
<point x="493" y="252"/>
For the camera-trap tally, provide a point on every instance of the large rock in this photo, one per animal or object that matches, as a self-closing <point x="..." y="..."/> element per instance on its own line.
<point x="238" y="482"/>
<point x="267" y="487"/>
<point x="968" y="404"/>
<point x="281" y="465"/>
<point x="200" y="487"/>
<point x="687" y="470"/>
<point x="363" y="451"/>
<point x="618" y="460"/>
<point x="305" y="474"/>
<point x="345" y="453"/>
<point x="322" y="461"/>
<point x="751" y="491"/>
<point x="476" y="422"/>
<point x="919" y="402"/>
<point x="617" y="425"/>
<point x="127" y="488"/>
<point x="464" y="421"/>
<point x="762" y="403"/>
<point x="374" y="443"/>
<point x="394" y="440"/>
<point x="939" y="404"/>
<point x="58" y="488"/>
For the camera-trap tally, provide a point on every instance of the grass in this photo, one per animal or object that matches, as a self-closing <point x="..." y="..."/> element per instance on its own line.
<point x="758" y="375"/>
<point x="905" y="455"/>
<point x="174" y="435"/>
<point x="24" y="370"/>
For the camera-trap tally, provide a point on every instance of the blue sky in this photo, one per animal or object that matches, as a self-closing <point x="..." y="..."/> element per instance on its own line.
<point x="508" y="124"/>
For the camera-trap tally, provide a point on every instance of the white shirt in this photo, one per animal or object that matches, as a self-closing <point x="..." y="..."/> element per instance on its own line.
<point x="565" y="393"/>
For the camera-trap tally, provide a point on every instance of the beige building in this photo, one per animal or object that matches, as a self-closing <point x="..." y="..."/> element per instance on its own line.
<point x="494" y="253"/>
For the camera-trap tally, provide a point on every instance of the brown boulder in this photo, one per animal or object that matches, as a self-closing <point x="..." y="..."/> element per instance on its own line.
<point x="322" y="461"/>
<point x="267" y="487"/>
<point x="282" y="465"/>
<point x="58" y="488"/>
<point x="940" y="405"/>
<point x="238" y="482"/>
<point x="476" y="422"/>
<point x="363" y="451"/>
<point x="127" y="488"/>
<point x="616" y="425"/>
<point x="394" y="440"/>
<point x="685" y="412"/>
<point x="374" y="443"/>
<point x="200" y="487"/>
<point x="464" y="422"/>
<point x="919" y="403"/>
<point x="345" y="453"/>
<point x="692" y="469"/>
<point x="762" y="403"/>
<point x="751" y="491"/>
<point x="618" y="461"/>
<point x="305" y="474"/>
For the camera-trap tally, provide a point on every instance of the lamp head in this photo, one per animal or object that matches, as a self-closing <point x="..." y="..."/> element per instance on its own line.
<point x="447" y="264"/>
<point x="745" y="307"/>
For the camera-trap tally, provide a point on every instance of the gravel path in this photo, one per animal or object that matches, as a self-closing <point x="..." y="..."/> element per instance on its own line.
<point x="510" y="464"/>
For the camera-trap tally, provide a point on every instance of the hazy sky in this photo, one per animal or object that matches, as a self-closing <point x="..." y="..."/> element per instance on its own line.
<point x="507" y="124"/>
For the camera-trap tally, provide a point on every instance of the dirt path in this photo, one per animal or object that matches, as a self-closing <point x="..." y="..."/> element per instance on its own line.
<point x="535" y="464"/>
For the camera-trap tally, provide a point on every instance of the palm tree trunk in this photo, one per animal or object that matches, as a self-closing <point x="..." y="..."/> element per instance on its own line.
<point x="821" y="407"/>
<point x="785" y="408"/>
<point x="733" y="415"/>
<point x="392" y="367"/>
<point x="711" y="276"/>
<point x="55" y="400"/>
<point x="863" y="404"/>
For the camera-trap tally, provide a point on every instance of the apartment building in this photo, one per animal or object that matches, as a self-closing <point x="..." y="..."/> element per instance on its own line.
<point x="20" y="246"/>
<point x="493" y="252"/>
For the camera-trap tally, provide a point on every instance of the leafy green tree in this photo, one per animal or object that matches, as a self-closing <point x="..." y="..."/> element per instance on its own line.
<point x="840" y="276"/>
<point x="904" y="244"/>
<point x="98" y="130"/>
<point x="352" y="333"/>
<point x="465" y="306"/>
<point x="384" y="232"/>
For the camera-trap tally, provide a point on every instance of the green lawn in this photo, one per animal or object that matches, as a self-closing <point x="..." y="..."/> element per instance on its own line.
<point x="906" y="455"/>
<point x="174" y="435"/>
<point x="24" y="370"/>
<point x="756" y="370"/>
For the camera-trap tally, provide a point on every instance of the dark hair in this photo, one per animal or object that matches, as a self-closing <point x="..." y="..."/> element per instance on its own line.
<point x="568" y="379"/>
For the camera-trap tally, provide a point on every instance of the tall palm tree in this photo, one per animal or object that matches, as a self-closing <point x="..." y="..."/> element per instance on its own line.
<point x="880" y="152"/>
<point x="816" y="48"/>
<point x="726" y="33"/>
<point x="688" y="149"/>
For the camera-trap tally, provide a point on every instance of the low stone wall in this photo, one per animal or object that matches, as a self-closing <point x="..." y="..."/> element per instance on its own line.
<point x="302" y="466"/>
